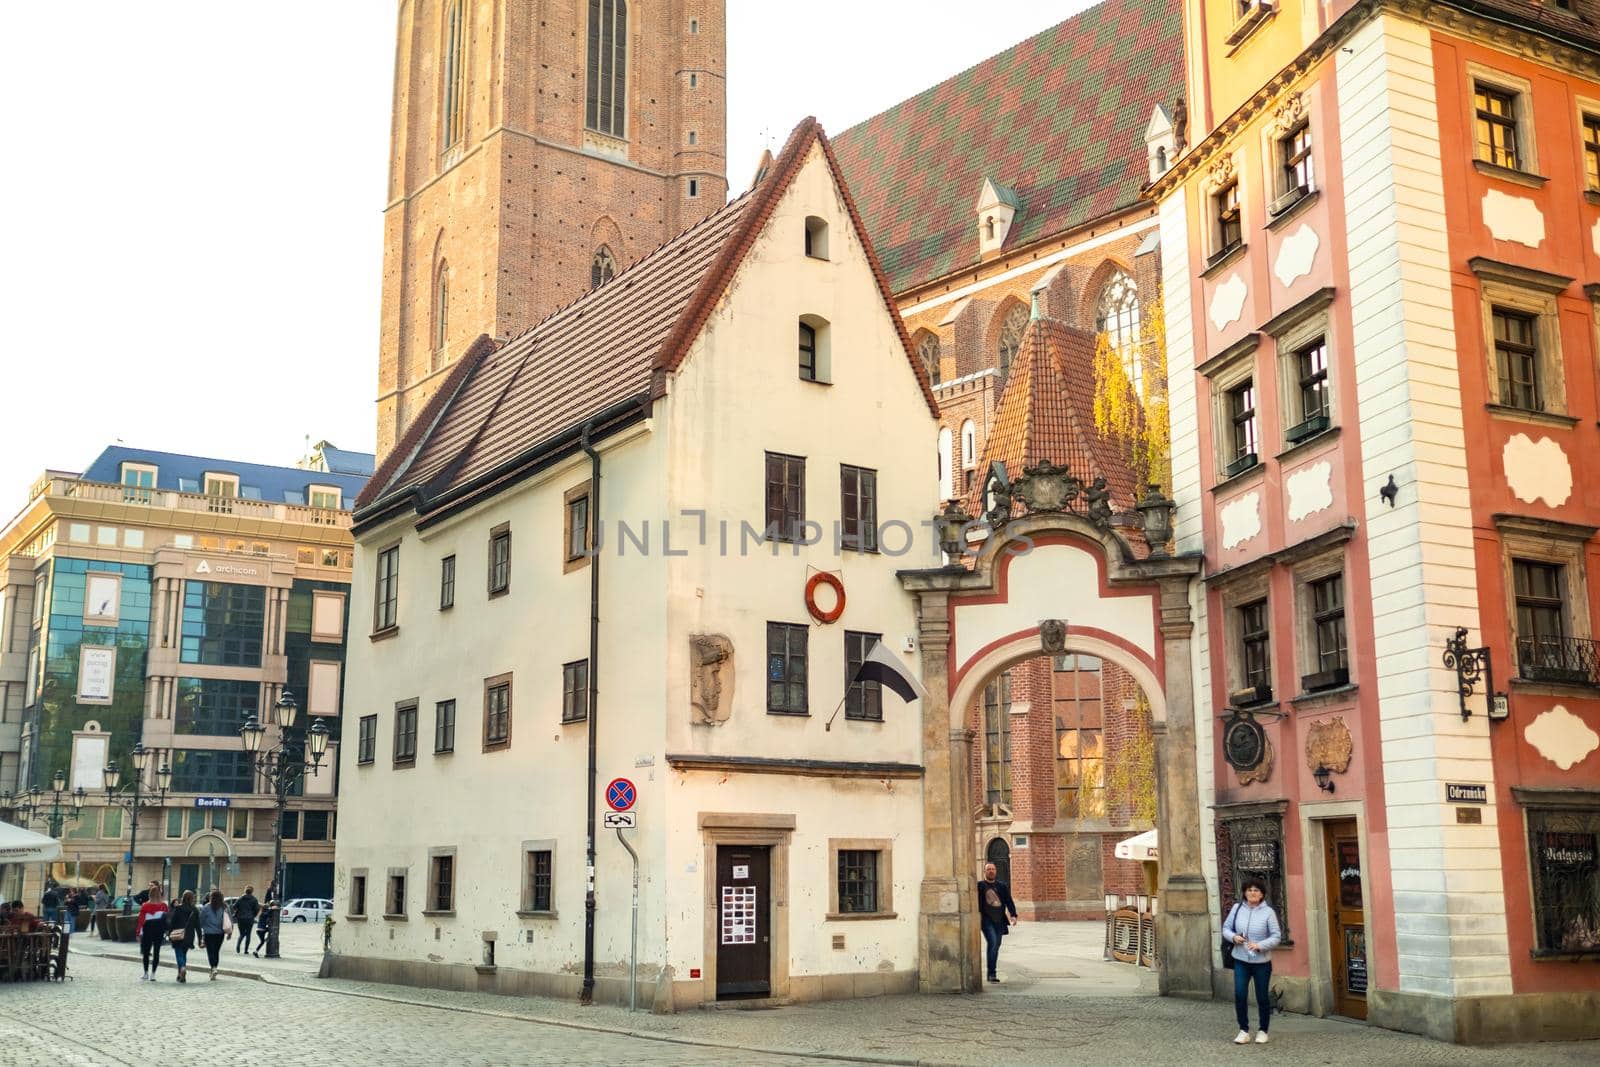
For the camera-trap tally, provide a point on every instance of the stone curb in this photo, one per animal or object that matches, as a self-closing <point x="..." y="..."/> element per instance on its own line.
<point x="567" y="1024"/>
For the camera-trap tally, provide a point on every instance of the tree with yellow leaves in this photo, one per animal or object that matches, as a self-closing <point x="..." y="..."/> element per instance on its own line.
<point x="1136" y="418"/>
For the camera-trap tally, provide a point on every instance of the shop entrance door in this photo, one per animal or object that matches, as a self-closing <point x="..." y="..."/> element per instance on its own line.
<point x="1347" y="929"/>
<point x="744" y="934"/>
<point x="188" y="878"/>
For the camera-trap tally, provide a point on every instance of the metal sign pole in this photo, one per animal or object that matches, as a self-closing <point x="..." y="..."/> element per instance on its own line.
<point x="633" y="937"/>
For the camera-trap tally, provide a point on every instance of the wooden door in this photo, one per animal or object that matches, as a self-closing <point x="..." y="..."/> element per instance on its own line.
<point x="1347" y="928"/>
<point x="744" y="921"/>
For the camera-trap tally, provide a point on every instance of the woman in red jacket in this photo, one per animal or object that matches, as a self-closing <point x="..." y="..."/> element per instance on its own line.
<point x="152" y="930"/>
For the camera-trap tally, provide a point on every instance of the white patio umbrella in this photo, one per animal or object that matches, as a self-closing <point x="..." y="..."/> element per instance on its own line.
<point x="1139" y="847"/>
<point x="24" y="846"/>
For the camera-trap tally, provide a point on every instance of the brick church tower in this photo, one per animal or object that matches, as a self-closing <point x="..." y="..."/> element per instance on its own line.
<point x="536" y="149"/>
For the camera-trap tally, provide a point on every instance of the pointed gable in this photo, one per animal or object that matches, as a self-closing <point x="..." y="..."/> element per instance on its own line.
<point x="1046" y="415"/>
<point x="607" y="354"/>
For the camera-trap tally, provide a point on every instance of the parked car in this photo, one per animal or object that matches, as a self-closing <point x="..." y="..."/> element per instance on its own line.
<point x="306" y="909"/>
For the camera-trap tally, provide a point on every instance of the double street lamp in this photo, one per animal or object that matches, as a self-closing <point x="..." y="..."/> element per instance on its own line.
<point x="282" y="766"/>
<point x="53" y="813"/>
<point x="32" y="805"/>
<point x="132" y="799"/>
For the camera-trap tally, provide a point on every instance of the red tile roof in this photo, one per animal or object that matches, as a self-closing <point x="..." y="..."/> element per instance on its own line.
<point x="1046" y="415"/>
<point x="1060" y="118"/>
<point x="619" y="341"/>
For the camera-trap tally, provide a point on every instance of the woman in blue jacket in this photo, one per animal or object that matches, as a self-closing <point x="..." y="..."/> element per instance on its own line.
<point x="1253" y="930"/>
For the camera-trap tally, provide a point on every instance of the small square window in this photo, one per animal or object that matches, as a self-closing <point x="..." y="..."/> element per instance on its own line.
<point x="858" y="881"/>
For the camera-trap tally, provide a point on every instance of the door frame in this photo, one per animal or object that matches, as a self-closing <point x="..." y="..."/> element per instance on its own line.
<point x="1313" y="863"/>
<point x="769" y="830"/>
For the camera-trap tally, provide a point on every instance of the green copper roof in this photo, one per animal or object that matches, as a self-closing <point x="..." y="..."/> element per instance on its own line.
<point x="1059" y="118"/>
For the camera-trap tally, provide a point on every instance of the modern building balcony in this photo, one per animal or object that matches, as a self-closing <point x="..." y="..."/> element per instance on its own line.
<point x="1565" y="660"/>
<point x="198" y="503"/>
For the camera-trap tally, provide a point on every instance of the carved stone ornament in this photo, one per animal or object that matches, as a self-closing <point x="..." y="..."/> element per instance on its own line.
<point x="1053" y="636"/>
<point x="1047" y="487"/>
<point x="710" y="678"/>
<point x="1263" y="770"/>
<point x="1289" y="114"/>
<point x="1244" y="742"/>
<point x="1221" y="172"/>
<point x="1328" y="745"/>
<point x="1099" y="498"/>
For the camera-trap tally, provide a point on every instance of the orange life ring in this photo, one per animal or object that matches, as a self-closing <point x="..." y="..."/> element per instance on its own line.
<point x="831" y="581"/>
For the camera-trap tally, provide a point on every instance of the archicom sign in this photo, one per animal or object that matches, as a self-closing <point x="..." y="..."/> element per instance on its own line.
<point x="206" y="568"/>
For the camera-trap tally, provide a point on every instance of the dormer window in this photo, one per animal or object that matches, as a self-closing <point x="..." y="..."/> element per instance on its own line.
<point x="325" y="497"/>
<point x="140" y="480"/>
<point x="225" y="485"/>
<point x="995" y="209"/>
<point x="816" y="237"/>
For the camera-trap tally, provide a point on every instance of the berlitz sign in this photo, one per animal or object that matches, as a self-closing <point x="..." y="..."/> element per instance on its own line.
<point x="211" y="802"/>
<point x="206" y="567"/>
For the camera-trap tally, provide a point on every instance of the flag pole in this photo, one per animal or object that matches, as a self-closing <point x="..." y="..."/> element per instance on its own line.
<point x="828" y="726"/>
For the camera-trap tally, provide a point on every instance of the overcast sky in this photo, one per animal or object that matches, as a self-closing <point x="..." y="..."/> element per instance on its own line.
<point x="193" y="190"/>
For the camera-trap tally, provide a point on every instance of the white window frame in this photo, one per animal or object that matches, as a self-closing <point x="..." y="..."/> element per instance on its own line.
<point x="92" y="618"/>
<point x="222" y="479"/>
<point x="338" y="496"/>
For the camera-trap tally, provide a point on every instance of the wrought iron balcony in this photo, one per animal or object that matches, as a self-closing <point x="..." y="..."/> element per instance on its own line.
<point x="1569" y="660"/>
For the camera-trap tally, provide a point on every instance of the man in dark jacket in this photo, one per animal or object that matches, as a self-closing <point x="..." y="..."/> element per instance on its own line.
<point x="245" y="910"/>
<point x="994" y="905"/>
<point x="50" y="903"/>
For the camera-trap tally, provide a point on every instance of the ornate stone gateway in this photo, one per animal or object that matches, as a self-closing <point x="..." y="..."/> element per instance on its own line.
<point x="1055" y="575"/>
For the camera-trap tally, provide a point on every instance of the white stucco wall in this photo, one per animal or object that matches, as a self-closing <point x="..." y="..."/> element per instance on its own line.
<point x="737" y="395"/>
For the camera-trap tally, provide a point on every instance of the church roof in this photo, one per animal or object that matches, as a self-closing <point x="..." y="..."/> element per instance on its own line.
<point x="1046" y="415"/>
<point x="1064" y="110"/>
<point x="506" y="409"/>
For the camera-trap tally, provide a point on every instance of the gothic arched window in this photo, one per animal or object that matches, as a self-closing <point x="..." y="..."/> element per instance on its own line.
<point x="603" y="268"/>
<point x="1016" y="321"/>
<point x="928" y="349"/>
<point x="441" y="313"/>
<point x="1116" y="314"/>
<point x="608" y="67"/>
<point x="455" y="75"/>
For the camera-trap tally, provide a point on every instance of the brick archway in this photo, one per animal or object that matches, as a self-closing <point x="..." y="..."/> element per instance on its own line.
<point x="973" y="623"/>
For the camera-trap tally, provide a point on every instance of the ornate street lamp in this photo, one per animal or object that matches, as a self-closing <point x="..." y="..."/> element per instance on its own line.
<point x="282" y="766"/>
<point x="951" y="524"/>
<point x="132" y="799"/>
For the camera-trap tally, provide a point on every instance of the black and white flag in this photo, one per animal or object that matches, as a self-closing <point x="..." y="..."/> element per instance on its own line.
<point x="885" y="668"/>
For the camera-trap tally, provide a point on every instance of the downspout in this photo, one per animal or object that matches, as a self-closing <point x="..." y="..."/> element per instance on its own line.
<point x="587" y="995"/>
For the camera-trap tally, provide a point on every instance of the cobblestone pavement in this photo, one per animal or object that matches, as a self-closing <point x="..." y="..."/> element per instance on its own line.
<point x="106" y="1017"/>
<point x="360" y="1021"/>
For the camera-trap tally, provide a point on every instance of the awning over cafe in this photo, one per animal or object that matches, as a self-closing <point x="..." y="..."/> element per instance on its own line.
<point x="24" y="846"/>
<point x="1140" y="847"/>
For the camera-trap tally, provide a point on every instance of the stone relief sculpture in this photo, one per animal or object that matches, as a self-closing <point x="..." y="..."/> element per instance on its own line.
<point x="710" y="678"/>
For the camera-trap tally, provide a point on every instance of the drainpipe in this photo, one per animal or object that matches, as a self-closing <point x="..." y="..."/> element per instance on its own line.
<point x="587" y="995"/>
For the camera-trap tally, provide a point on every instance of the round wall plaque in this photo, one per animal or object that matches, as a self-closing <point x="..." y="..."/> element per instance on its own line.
<point x="1244" y="743"/>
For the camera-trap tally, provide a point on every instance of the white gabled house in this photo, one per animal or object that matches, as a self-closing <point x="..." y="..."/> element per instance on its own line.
<point x="750" y="374"/>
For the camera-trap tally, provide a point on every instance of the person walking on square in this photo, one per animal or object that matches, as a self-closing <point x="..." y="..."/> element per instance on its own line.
<point x="994" y="904"/>
<point x="183" y="923"/>
<point x="50" y="903"/>
<point x="214" y="928"/>
<point x="151" y="930"/>
<point x="1253" y="930"/>
<point x="245" y="910"/>
<point x="264" y="920"/>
